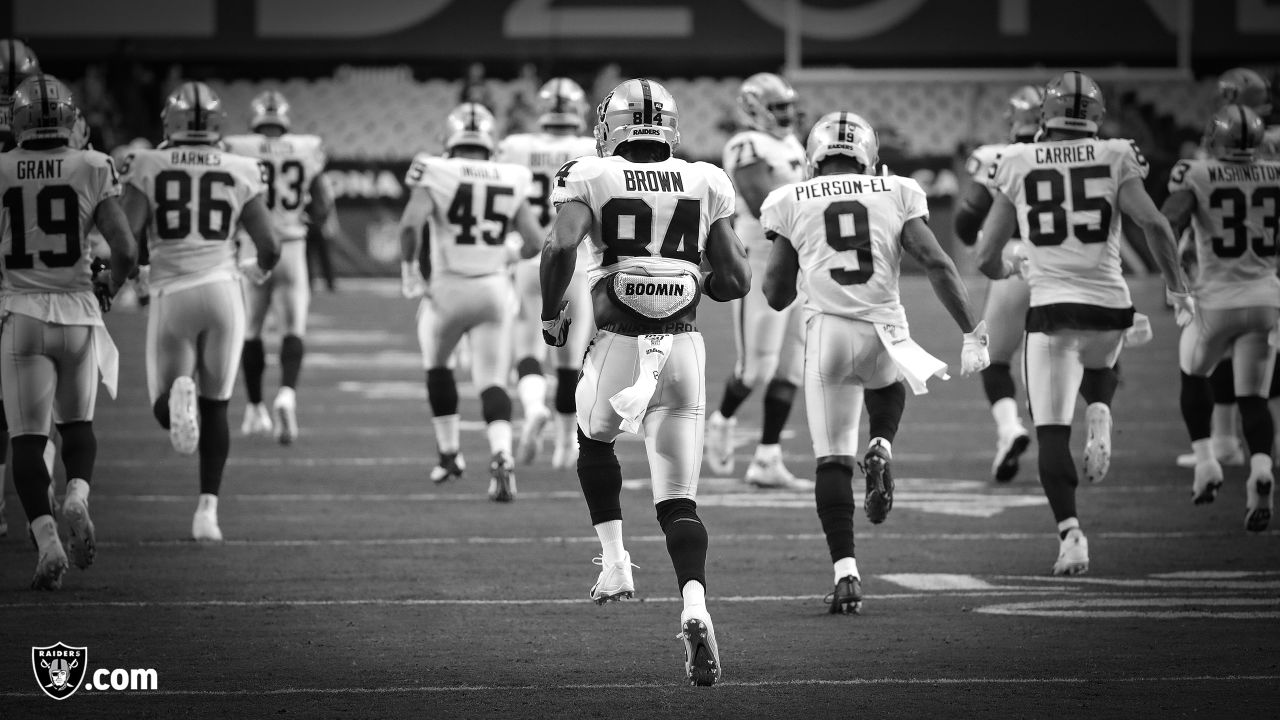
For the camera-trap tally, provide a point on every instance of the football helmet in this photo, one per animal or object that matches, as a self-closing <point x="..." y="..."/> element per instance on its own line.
<point x="43" y="110"/>
<point x="269" y="108"/>
<point x="1023" y="112"/>
<point x="843" y="133"/>
<point x="1234" y="133"/>
<point x="1072" y="101"/>
<point x="1245" y="87"/>
<point x="637" y="110"/>
<point x="768" y="103"/>
<point x="17" y="63"/>
<point x="470" y="124"/>
<point x="562" y="103"/>
<point x="193" y="113"/>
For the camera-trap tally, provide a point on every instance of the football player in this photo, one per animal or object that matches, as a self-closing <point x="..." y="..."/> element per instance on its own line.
<point x="469" y="203"/>
<point x="1007" y="300"/>
<point x="1232" y="203"/>
<point x="189" y="196"/>
<point x="1066" y="195"/>
<point x="54" y="346"/>
<point x="769" y="342"/>
<point x="562" y="111"/>
<point x="650" y="221"/>
<point x="842" y="233"/>
<point x="297" y="197"/>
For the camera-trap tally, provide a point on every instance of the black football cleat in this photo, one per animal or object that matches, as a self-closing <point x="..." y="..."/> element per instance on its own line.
<point x="450" y="466"/>
<point x="879" y="499"/>
<point x="846" y="599"/>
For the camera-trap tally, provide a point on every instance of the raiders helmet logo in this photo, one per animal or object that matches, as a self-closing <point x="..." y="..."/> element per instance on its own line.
<point x="59" y="669"/>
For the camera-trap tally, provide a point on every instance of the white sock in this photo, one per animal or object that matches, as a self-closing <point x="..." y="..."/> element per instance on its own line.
<point x="1259" y="464"/>
<point x="768" y="453"/>
<point x="77" y="487"/>
<point x="1068" y="524"/>
<point x="1005" y="412"/>
<point x="45" y="530"/>
<point x="1203" y="450"/>
<point x="50" y="454"/>
<point x="888" y="446"/>
<point x="499" y="432"/>
<point x="611" y="547"/>
<point x="717" y="419"/>
<point x="1226" y="425"/>
<point x="207" y="503"/>
<point x="532" y="390"/>
<point x="695" y="595"/>
<point x="446" y="432"/>
<point x="845" y="567"/>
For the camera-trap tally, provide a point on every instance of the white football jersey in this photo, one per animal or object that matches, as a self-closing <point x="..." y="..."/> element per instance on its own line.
<point x="1235" y="225"/>
<point x="847" y="231"/>
<point x="290" y="164"/>
<point x="544" y="154"/>
<point x="473" y="205"/>
<point x="645" y="215"/>
<point x="46" y="213"/>
<point x="786" y="160"/>
<point x="1064" y="193"/>
<point x="195" y="194"/>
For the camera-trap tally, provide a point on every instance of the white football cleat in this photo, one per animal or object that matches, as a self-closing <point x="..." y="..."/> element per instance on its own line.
<point x="257" y="420"/>
<point x="1208" y="479"/>
<point x="615" y="581"/>
<point x="1073" y="554"/>
<point x="771" y="474"/>
<point x="1097" y="446"/>
<point x="204" y="524"/>
<point x="184" y="423"/>
<point x="50" y="567"/>
<point x="718" y="445"/>
<point x="530" y="445"/>
<point x="701" y="655"/>
<point x="75" y="512"/>
<point x="286" y="412"/>
<point x="1009" y="449"/>
<point x="1258" y="491"/>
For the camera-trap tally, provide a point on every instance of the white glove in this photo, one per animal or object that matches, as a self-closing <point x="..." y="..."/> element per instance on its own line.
<point x="1016" y="265"/>
<point x="250" y="270"/>
<point x="1140" y="334"/>
<point x="1184" y="307"/>
<point x="973" y="355"/>
<point x="142" y="284"/>
<point x="412" y="284"/>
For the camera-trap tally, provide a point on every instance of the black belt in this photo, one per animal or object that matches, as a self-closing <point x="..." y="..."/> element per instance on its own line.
<point x="635" y="329"/>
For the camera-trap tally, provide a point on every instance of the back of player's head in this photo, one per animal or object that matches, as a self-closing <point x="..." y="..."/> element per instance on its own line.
<point x="17" y="63"/>
<point x="843" y="134"/>
<point x="1234" y="133"/>
<point x="269" y="109"/>
<point x="193" y="114"/>
<point x="1072" y="102"/>
<point x="637" y="111"/>
<point x="768" y="103"/>
<point x="1022" y="112"/>
<point x="562" y="104"/>
<point x="1245" y="87"/>
<point x="470" y="125"/>
<point x="43" y="111"/>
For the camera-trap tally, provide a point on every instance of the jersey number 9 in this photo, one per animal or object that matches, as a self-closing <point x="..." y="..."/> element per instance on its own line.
<point x="848" y="230"/>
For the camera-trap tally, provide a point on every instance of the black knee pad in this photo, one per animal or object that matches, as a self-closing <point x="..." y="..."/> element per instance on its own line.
<point x="669" y="511"/>
<point x="495" y="404"/>
<point x="79" y="449"/>
<point x="567" y="391"/>
<point x="686" y="539"/>
<point x="780" y="391"/>
<point x="1257" y="424"/>
<point x="442" y="392"/>
<point x="291" y="352"/>
<point x="253" y="358"/>
<point x="30" y="476"/>
<point x="1098" y="385"/>
<point x="161" y="410"/>
<point x="884" y="410"/>
<point x="997" y="382"/>
<point x="528" y="366"/>
<point x="4" y="422"/>
<point x="600" y="476"/>
<point x="1196" y="402"/>
<point x="1223" y="382"/>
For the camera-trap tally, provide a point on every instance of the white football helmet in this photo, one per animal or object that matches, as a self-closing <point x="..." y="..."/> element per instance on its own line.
<point x="43" y="110"/>
<point x="637" y="110"/>
<point x="193" y="113"/>
<point x="562" y="103"/>
<point x="1073" y="101"/>
<point x="470" y="124"/>
<point x="269" y="108"/>
<point x="843" y="133"/>
<point x="768" y="103"/>
<point x="1234" y="133"/>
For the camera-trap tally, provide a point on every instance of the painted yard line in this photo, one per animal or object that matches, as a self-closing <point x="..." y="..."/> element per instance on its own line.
<point x="587" y="687"/>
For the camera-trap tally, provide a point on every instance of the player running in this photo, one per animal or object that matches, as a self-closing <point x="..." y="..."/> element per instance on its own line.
<point x="469" y="203"/>
<point x="1063" y="194"/>
<point x="1008" y="299"/>
<point x="1232" y="203"/>
<point x="650" y="221"/>
<point x="54" y="346"/>
<point x="769" y="342"/>
<point x="842" y="234"/>
<point x="562" y="109"/>
<point x="189" y="196"/>
<point x="298" y="198"/>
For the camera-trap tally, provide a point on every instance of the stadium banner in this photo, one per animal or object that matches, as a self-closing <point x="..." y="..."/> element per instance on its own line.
<point x="880" y="33"/>
<point x="371" y="195"/>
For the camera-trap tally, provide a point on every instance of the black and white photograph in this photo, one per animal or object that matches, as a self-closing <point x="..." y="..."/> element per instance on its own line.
<point x="737" y="359"/>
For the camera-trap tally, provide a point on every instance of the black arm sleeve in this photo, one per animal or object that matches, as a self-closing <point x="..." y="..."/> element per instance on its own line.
<point x="971" y="213"/>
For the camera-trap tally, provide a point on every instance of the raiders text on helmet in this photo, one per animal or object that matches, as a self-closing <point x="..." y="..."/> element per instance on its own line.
<point x="193" y="114"/>
<point x="43" y="110"/>
<point x="1234" y="133"/>
<point x="1072" y="101"/>
<point x="470" y="124"/>
<point x="843" y="133"/>
<point x="637" y="110"/>
<point x="768" y="103"/>
<point x="562" y="103"/>
<point x="269" y="108"/>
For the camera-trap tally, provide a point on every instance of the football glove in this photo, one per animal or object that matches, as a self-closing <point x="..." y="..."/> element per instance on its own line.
<point x="1184" y="307"/>
<point x="142" y="284"/>
<point x="555" y="332"/>
<point x="249" y="269"/>
<point x="103" y="286"/>
<point x="1016" y="264"/>
<point x="412" y="284"/>
<point x="973" y="355"/>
